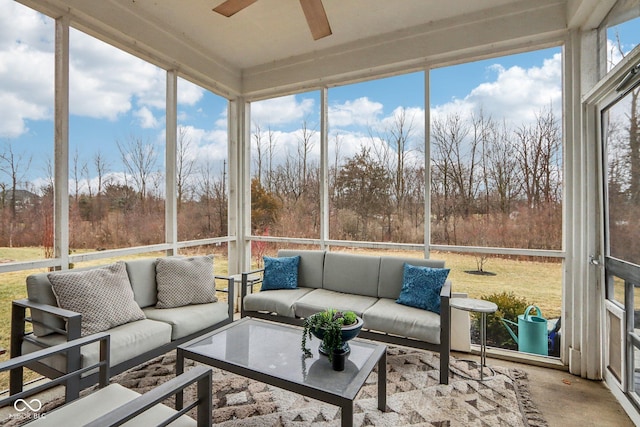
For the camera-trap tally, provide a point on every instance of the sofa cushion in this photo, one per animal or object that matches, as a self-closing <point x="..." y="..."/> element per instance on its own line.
<point x="82" y="411"/>
<point x="350" y="273"/>
<point x="185" y="281"/>
<point x="421" y="287"/>
<point x="279" y="302"/>
<point x="392" y="270"/>
<point x="396" y="319"/>
<point x="39" y="290"/>
<point x="142" y="275"/>
<point x="280" y="273"/>
<point x="311" y="266"/>
<point x="190" y="319"/>
<point x="102" y="295"/>
<point x="127" y="341"/>
<point x="321" y="299"/>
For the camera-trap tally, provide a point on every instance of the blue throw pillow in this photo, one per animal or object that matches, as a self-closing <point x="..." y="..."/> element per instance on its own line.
<point x="421" y="287"/>
<point x="280" y="273"/>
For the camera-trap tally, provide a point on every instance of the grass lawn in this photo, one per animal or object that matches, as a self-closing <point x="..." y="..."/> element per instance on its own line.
<point x="538" y="282"/>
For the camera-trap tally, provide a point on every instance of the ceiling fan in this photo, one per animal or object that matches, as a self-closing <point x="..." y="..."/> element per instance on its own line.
<point x="313" y="11"/>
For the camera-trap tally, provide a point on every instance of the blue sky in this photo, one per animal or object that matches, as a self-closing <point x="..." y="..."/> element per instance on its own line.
<point x="117" y="97"/>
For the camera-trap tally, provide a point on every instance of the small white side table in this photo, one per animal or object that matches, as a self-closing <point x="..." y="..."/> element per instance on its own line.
<point x="483" y="307"/>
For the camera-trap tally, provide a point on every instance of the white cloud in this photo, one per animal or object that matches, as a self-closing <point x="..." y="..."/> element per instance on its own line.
<point x="516" y="95"/>
<point x="104" y="81"/>
<point x="360" y="112"/>
<point x="280" y="111"/>
<point x="222" y="119"/>
<point x="188" y="93"/>
<point x="26" y="68"/>
<point x="35" y="29"/>
<point x="146" y="118"/>
<point x="205" y="145"/>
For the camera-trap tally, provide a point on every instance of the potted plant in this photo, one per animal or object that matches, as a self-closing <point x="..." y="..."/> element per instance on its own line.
<point x="334" y="328"/>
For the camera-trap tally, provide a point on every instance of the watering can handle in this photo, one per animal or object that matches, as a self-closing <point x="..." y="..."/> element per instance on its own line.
<point x="526" y="312"/>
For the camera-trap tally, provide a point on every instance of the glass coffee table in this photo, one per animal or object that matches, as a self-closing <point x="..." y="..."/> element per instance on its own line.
<point x="270" y="353"/>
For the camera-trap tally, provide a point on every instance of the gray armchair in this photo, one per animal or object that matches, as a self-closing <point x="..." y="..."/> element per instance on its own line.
<point x="110" y="404"/>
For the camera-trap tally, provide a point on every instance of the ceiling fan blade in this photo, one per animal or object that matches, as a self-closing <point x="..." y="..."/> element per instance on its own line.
<point x="316" y="18"/>
<point x="231" y="7"/>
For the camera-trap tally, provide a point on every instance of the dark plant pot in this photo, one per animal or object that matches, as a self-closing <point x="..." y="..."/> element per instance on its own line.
<point x="339" y="358"/>
<point x="349" y="332"/>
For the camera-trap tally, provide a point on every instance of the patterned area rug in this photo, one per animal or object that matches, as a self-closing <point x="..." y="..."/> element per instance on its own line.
<point x="414" y="396"/>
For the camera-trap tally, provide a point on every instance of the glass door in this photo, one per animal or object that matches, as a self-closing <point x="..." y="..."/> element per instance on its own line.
<point x="620" y="120"/>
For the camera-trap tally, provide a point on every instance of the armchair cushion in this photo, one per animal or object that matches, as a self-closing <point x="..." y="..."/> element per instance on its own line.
<point x="185" y="281"/>
<point x="421" y="287"/>
<point x="102" y="295"/>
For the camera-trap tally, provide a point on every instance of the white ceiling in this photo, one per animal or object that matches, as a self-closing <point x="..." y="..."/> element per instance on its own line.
<point x="267" y="48"/>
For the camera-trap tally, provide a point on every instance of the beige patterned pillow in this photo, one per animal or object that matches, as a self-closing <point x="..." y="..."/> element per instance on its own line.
<point x="102" y="295"/>
<point x="184" y="281"/>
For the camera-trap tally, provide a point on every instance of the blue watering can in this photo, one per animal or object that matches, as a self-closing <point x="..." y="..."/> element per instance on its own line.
<point x="532" y="330"/>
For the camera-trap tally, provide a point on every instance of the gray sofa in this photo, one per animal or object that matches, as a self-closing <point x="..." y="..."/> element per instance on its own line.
<point x="161" y="329"/>
<point x="367" y="285"/>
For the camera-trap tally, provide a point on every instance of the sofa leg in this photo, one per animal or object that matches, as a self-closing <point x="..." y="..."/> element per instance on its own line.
<point x="444" y="367"/>
<point x="16" y="376"/>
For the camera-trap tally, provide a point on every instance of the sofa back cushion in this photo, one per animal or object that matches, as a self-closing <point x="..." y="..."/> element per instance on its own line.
<point x="142" y="275"/>
<point x="391" y="272"/>
<point x="103" y="296"/>
<point x="184" y="281"/>
<point x="351" y="273"/>
<point x="310" y="267"/>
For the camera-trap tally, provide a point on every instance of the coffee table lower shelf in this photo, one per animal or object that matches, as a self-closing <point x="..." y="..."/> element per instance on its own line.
<point x="270" y="353"/>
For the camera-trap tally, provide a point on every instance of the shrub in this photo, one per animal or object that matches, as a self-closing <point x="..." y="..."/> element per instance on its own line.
<point x="509" y="307"/>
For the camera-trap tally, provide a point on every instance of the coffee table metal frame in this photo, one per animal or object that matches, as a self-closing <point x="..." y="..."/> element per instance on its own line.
<point x="343" y="398"/>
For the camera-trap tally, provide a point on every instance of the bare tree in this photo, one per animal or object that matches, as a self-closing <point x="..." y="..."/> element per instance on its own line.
<point x="306" y="142"/>
<point x="538" y="153"/>
<point x="76" y="173"/>
<point x="14" y="165"/>
<point x="185" y="165"/>
<point x="259" y="157"/>
<point x="139" y="159"/>
<point x="502" y="169"/>
<point x="393" y="152"/>
<point x="457" y="157"/>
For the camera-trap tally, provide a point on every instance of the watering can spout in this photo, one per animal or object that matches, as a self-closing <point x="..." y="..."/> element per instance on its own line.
<point x="513" y="335"/>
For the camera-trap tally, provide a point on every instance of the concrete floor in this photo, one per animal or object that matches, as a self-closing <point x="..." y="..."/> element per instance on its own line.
<point x="567" y="400"/>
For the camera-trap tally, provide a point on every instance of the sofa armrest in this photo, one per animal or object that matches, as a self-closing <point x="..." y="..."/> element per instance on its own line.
<point x="19" y="320"/>
<point x="49" y="309"/>
<point x="230" y="293"/>
<point x="245" y="280"/>
<point x="199" y="374"/>
<point x="445" y="292"/>
<point x="19" y="334"/>
<point x="71" y="379"/>
<point x="243" y="287"/>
